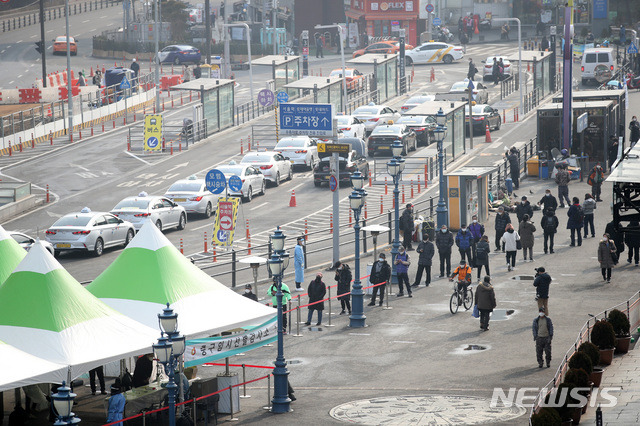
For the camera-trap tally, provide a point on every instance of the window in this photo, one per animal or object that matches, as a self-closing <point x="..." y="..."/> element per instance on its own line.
<point x="112" y="220"/>
<point x="101" y="221"/>
<point x="591" y="58"/>
<point x="167" y="203"/>
<point x="157" y="205"/>
<point x="21" y="239"/>
<point x="603" y="57"/>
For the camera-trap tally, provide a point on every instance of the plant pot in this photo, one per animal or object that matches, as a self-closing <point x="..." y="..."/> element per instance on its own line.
<point x="622" y="344"/>
<point x="596" y="376"/>
<point x="606" y="356"/>
<point x="576" y="414"/>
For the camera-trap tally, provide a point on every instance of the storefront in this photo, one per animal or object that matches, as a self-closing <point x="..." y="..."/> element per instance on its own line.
<point x="385" y="18"/>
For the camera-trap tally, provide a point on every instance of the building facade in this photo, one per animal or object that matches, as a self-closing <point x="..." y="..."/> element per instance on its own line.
<point x="384" y="18"/>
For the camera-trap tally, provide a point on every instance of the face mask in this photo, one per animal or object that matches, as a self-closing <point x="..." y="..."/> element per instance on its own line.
<point x="247" y="290"/>
<point x="464" y="229"/>
<point x="381" y="259"/>
<point x="475" y="221"/>
<point x="605" y="239"/>
<point x="443" y="230"/>
<point x="541" y="314"/>
<point x="548" y="194"/>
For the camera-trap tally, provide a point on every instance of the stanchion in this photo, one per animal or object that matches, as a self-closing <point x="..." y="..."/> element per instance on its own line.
<point x="426" y="176"/>
<point x="365" y="211"/>
<point x="331" y="223"/>
<point x="403" y="194"/>
<point x="231" y="418"/>
<point x="298" y="319"/>
<point x="386" y="187"/>
<point x="249" y="143"/>
<point x="418" y="184"/>
<point x="241" y="147"/>
<point x="102" y="132"/>
<point x="388" y="285"/>
<point x="306" y="230"/>
<point x="370" y="180"/>
<point x="214" y="259"/>
<point x="51" y="136"/>
<point x="91" y="130"/>
<point x="329" y="305"/>
<point x="381" y="205"/>
<point x="47" y="193"/>
<point x="411" y="188"/>
<point x="350" y="218"/>
<point x="180" y="147"/>
<point x="80" y="134"/>
<point x="181" y="247"/>
<point x="171" y="145"/>
<point x="206" y="249"/>
<point x="504" y="116"/>
<point x="114" y="124"/>
<point x="268" y="406"/>
<point x="244" y="383"/>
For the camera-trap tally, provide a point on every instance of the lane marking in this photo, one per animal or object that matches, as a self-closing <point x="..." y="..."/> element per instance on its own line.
<point x="257" y="207"/>
<point x="438" y="331"/>
<point x="34" y="36"/>
<point x="19" y="41"/>
<point x="20" y="76"/>
<point x="136" y="157"/>
<point x="85" y="21"/>
<point x="360" y="334"/>
<point x="402" y="341"/>
<point x="208" y="225"/>
<point x="298" y="186"/>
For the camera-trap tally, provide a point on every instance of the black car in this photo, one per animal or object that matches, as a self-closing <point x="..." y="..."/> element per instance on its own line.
<point x="384" y="135"/>
<point x="482" y="115"/>
<point x="349" y="164"/>
<point x="422" y="125"/>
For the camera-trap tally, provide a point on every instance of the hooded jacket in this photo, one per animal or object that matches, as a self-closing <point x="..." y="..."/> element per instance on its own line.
<point x="509" y="239"/>
<point x="464" y="239"/>
<point x="502" y="220"/>
<point x="549" y="223"/>
<point x="485" y="296"/>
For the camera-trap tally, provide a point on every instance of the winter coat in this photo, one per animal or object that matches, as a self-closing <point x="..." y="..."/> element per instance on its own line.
<point x="298" y="262"/>
<point x="634" y="133"/>
<point x="596" y="176"/>
<point x="501" y="222"/>
<point x="615" y="235"/>
<point x="534" y="327"/>
<point x="426" y="251"/>
<point x="509" y="239"/>
<point x="343" y="277"/>
<point x="588" y="206"/>
<point x="444" y="241"/>
<point x="464" y="240"/>
<point x="251" y="296"/>
<point x="482" y="253"/>
<point x="549" y="202"/>
<point x="286" y="294"/>
<point x="575" y="220"/>
<point x="401" y="267"/>
<point x="485" y="296"/>
<point x="549" y="224"/>
<point x="381" y="276"/>
<point x="406" y="221"/>
<point x="526" y="231"/>
<point x="632" y="236"/>
<point x="604" y="253"/>
<point x="477" y="230"/>
<point x="514" y="162"/>
<point x="542" y="283"/>
<point x="563" y="177"/>
<point x="317" y="290"/>
<point x="522" y="209"/>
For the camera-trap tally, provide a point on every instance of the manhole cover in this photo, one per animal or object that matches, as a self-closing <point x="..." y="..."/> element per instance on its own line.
<point x="425" y="410"/>
<point x="501" y="314"/>
<point x="523" y="278"/>
<point x="294" y="361"/>
<point x="475" y="348"/>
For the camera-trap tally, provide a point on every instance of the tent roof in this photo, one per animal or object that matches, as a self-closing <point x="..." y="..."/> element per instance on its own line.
<point x="11" y="254"/>
<point x="151" y="272"/>
<point x="26" y="369"/>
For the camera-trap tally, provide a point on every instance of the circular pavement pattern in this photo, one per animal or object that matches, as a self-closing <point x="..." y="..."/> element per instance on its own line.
<point x="425" y="410"/>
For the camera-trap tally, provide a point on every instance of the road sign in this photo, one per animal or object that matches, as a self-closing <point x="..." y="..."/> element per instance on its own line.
<point x="235" y="183"/>
<point x="437" y="21"/>
<point x="283" y="97"/>
<point x="306" y="119"/>
<point x="225" y="223"/>
<point x="152" y="132"/>
<point x="632" y="49"/>
<point x="215" y="181"/>
<point x="429" y="7"/>
<point x="124" y="84"/>
<point x="265" y="97"/>
<point x="333" y="183"/>
<point x="334" y="147"/>
<point x="305" y="50"/>
<point x="582" y="122"/>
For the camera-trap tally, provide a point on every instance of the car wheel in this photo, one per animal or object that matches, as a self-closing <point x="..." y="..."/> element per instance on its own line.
<point x="290" y="173"/>
<point x="318" y="184"/>
<point x="249" y="196"/>
<point x="176" y="61"/>
<point x="408" y="61"/>
<point x="263" y="190"/>
<point x="405" y="148"/>
<point x="182" y="223"/>
<point x="130" y="235"/>
<point x="208" y="210"/>
<point x="99" y="247"/>
<point x="447" y="59"/>
<point x="277" y="181"/>
<point x="498" y="124"/>
<point x="56" y="253"/>
<point x="159" y="225"/>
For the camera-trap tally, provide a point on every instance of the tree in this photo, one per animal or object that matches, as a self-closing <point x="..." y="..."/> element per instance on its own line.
<point x="175" y="13"/>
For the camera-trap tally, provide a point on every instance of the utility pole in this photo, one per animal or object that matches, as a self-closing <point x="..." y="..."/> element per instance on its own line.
<point x="69" y="86"/>
<point x="156" y="36"/>
<point x="274" y="14"/>
<point x="41" y="46"/>
<point x="207" y="26"/>
<point x="225" y="34"/>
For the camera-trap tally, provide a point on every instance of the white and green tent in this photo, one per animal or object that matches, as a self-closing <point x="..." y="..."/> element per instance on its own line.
<point x="21" y="369"/>
<point x="45" y="312"/>
<point x="151" y="272"/>
<point x="10" y="254"/>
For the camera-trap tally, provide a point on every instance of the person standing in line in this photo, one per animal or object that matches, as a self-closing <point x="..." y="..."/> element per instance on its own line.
<point x="248" y="293"/>
<point x="464" y="241"/>
<point x="510" y="240"/>
<point x="524" y="208"/>
<point x="616" y="236"/>
<point x="542" y="282"/>
<point x="142" y="370"/>
<point x="117" y="401"/>
<point x="343" y="277"/>
<point x="575" y="221"/>
<point x="444" y="242"/>
<point x="186" y="73"/>
<point x="482" y="255"/>
<point x="472" y="70"/>
<point x="135" y="67"/>
<point x="81" y="80"/>
<point x="607" y="256"/>
<point x="286" y="297"/>
<point x="402" y="270"/>
<point x="632" y="238"/>
<point x="92" y="380"/>
<point x="298" y="263"/>
<point x="542" y="328"/>
<point x="634" y="131"/>
<point x="425" y="251"/>
<point x="562" y="179"/>
<point x="495" y="72"/>
<point x="549" y="225"/>
<point x="407" y="227"/>
<point x="486" y="301"/>
<point x="527" y="239"/>
<point x="548" y="201"/>
<point x="595" y="179"/>
<point x="464" y="40"/>
<point x="514" y="166"/>
<point x="502" y="220"/>
<point x="317" y="290"/>
<point x="319" y="46"/>
<point x="380" y="273"/>
<point x="588" y="207"/>
<point x="477" y="231"/>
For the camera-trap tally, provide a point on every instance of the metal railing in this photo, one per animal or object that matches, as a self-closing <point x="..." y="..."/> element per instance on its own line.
<point x="175" y="138"/>
<point x="533" y="99"/>
<point x="250" y="111"/>
<point x="503" y="171"/>
<point x="509" y="85"/>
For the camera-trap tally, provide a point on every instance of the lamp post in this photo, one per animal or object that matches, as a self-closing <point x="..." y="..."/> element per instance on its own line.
<point x="168" y="351"/>
<point x="441" y="131"/>
<point x="254" y="262"/>
<point x="277" y="264"/>
<point x="356" y="201"/>
<point x="395" y="167"/>
<point x="62" y="401"/>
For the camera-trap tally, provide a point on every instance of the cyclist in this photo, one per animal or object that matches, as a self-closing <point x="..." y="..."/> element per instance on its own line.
<point x="464" y="277"/>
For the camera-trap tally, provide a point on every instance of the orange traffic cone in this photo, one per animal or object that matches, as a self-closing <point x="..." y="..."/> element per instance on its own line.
<point x="487" y="135"/>
<point x="292" y="202"/>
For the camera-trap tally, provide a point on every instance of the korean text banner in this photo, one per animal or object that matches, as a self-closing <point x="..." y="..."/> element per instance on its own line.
<point x="225" y="223"/>
<point x="153" y="132"/>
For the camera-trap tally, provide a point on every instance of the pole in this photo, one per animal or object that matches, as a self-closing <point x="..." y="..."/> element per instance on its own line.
<point x="396" y="239"/>
<point x="69" y="90"/>
<point x="281" y="401"/>
<point x="225" y="34"/>
<point x="441" y="209"/>
<point x="156" y="36"/>
<point x="401" y="62"/>
<point x="207" y="38"/>
<point x="42" y="54"/>
<point x="274" y="17"/>
<point x="357" y="318"/>
<point x="171" y="387"/>
<point x="470" y="119"/>
<point x="566" y="88"/>
<point x="336" y="208"/>
<point x="344" y="75"/>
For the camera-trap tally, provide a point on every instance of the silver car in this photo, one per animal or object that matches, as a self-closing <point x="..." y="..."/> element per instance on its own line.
<point x="161" y="210"/>
<point x="91" y="231"/>
<point x="193" y="195"/>
<point x="273" y="165"/>
<point x="253" y="181"/>
<point x="373" y="115"/>
<point x="301" y="150"/>
<point x="26" y="241"/>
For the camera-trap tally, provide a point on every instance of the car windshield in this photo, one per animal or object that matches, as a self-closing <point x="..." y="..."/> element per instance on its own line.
<point x="344" y="121"/>
<point x="478" y="109"/>
<point x="411" y="120"/>
<point x="257" y="159"/>
<point x="228" y="171"/>
<point x="366" y="110"/>
<point x="133" y="203"/>
<point x="63" y="39"/>
<point x="461" y="85"/>
<point x="291" y="142"/>
<point x="73" y="221"/>
<point x="387" y="130"/>
<point x="186" y="187"/>
<point x="337" y="73"/>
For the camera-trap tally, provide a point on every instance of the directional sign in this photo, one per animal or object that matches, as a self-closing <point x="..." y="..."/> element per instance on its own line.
<point x="283" y="97"/>
<point x="429" y="7"/>
<point x="124" y="84"/>
<point x="235" y="183"/>
<point x="306" y="119"/>
<point x="215" y="181"/>
<point x="266" y="97"/>
<point x="225" y="223"/>
<point x="333" y="183"/>
<point x="632" y="49"/>
<point x="152" y="132"/>
<point x="437" y="21"/>
<point x="582" y="122"/>
<point x="334" y="147"/>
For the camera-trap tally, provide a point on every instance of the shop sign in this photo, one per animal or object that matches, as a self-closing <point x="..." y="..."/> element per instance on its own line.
<point x="385" y="6"/>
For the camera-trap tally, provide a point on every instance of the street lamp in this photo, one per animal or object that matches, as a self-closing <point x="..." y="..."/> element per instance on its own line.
<point x="395" y="167"/>
<point x="277" y="264"/>
<point x="440" y="132"/>
<point x="62" y="403"/>
<point x="254" y="262"/>
<point x="356" y="201"/>
<point x="168" y="351"/>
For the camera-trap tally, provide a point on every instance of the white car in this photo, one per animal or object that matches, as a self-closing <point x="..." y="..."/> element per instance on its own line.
<point x="480" y="92"/>
<point x="487" y="68"/>
<point x="193" y="195"/>
<point x="351" y="126"/>
<point x="414" y="101"/>
<point x="372" y="115"/>
<point x="253" y="180"/>
<point x="26" y="242"/>
<point x="301" y="150"/>
<point x="273" y="165"/>
<point x="433" y="52"/>
<point x="160" y="210"/>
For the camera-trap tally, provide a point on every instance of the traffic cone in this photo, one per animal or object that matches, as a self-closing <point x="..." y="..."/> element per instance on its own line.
<point x="292" y="202"/>
<point x="487" y="135"/>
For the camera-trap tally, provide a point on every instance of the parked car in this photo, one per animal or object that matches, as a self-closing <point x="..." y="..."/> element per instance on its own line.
<point x="26" y="241"/>
<point x="160" y="210"/>
<point x="414" y="101"/>
<point x="487" y="68"/>
<point x="373" y="115"/>
<point x="383" y="137"/>
<point x="193" y="195"/>
<point x="349" y="163"/>
<point x="482" y="115"/>
<point x="179" y="54"/>
<point x="274" y="166"/>
<point x="422" y="125"/>
<point x="301" y="150"/>
<point x="434" y="52"/>
<point x="382" y="47"/>
<point x="90" y="231"/>
<point x="480" y="92"/>
<point x="354" y="77"/>
<point x="60" y="46"/>
<point x="351" y="126"/>
<point x="253" y="180"/>
<point x="598" y="62"/>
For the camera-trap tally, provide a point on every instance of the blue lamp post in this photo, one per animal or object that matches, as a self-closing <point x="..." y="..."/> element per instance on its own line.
<point x="395" y="167"/>
<point x="277" y="264"/>
<point x="356" y="201"/>
<point x="441" y="132"/>
<point x="63" y="402"/>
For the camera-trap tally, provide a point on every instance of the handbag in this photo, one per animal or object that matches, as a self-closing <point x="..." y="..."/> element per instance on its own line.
<point x="614" y="257"/>
<point x="518" y="245"/>
<point x="476" y="312"/>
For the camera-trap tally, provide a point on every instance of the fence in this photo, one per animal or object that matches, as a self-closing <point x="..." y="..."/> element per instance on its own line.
<point x="497" y="178"/>
<point x="175" y="138"/>
<point x="509" y="85"/>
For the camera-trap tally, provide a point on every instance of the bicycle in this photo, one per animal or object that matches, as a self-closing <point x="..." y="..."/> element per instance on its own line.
<point x="462" y="295"/>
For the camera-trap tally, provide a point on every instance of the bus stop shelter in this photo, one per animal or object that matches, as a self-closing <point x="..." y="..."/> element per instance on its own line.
<point x="625" y="178"/>
<point x="468" y="195"/>
<point x="325" y="90"/>
<point x="540" y="65"/>
<point x="284" y="70"/>
<point x="385" y="80"/>
<point x="216" y="102"/>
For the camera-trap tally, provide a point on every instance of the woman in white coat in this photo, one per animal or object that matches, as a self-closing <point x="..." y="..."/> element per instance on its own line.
<point x="510" y="240"/>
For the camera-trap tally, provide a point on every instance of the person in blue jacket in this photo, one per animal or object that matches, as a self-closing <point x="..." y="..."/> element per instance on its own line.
<point x="298" y="263"/>
<point x="464" y="241"/>
<point x="116" y="405"/>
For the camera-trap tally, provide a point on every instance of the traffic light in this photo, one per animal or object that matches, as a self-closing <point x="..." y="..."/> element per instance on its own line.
<point x="40" y="47"/>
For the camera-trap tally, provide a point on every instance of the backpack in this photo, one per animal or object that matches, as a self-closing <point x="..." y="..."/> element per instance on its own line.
<point x="579" y="214"/>
<point x="481" y="253"/>
<point x="126" y="381"/>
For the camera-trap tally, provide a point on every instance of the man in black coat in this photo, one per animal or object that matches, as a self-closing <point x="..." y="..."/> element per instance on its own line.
<point x="502" y="220"/>
<point x="632" y="238"/>
<point x="407" y="226"/>
<point x="549" y="201"/>
<point x="380" y="273"/>
<point x="248" y="293"/>
<point x="549" y="225"/>
<point x="426" y="251"/>
<point x="616" y="235"/>
<point x="514" y="167"/>
<point x="135" y="67"/>
<point x="524" y="208"/>
<point x="542" y="282"/>
<point x="444" y="242"/>
<point x="472" y="70"/>
<point x="343" y="277"/>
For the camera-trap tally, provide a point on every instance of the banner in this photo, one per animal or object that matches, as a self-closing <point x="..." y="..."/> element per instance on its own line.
<point x="152" y="132"/>
<point x="225" y="223"/>
<point x="199" y="351"/>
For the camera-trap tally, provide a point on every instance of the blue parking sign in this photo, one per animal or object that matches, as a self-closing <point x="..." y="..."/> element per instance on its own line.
<point x="215" y="181"/>
<point x="235" y="183"/>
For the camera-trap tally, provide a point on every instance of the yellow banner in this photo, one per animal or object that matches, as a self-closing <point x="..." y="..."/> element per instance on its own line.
<point x="153" y="132"/>
<point x="225" y="223"/>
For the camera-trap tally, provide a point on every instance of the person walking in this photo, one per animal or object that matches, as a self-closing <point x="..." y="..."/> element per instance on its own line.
<point x="186" y="74"/>
<point x="588" y="207"/>
<point x="542" y="328"/>
<point x="632" y="238"/>
<point x="544" y="44"/>
<point x="444" y="242"/>
<point x="541" y="282"/>
<point x="595" y="179"/>
<point x="502" y="220"/>
<point x="482" y="255"/>
<point x="464" y="241"/>
<point x="634" y="130"/>
<point x="248" y="293"/>
<point x="495" y="72"/>
<point x="575" y="222"/>
<point x="286" y="297"/>
<point x="549" y="225"/>
<point x="486" y="301"/>
<point x="425" y="251"/>
<point x="319" y="46"/>
<point x="135" y="67"/>
<point x="92" y="380"/>
<point x="562" y="179"/>
<point x="402" y="271"/>
<point x="298" y="263"/>
<point x="317" y="290"/>
<point x="524" y="208"/>
<point x="510" y="240"/>
<point x="343" y="277"/>
<point x="477" y="231"/>
<point x="472" y="70"/>
<point x="548" y="201"/>
<point x="616" y="235"/>
<point x="464" y="40"/>
<point x="380" y="273"/>
<point x="407" y="227"/>
<point x="607" y="256"/>
<point x="527" y="239"/>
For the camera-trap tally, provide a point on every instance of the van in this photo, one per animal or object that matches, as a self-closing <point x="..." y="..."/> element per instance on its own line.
<point x="597" y="65"/>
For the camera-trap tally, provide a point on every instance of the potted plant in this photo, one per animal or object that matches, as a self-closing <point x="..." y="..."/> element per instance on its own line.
<point x="580" y="379"/>
<point x="593" y="353"/>
<point x="603" y="336"/>
<point x="567" y="410"/>
<point x="621" y="328"/>
<point x="547" y="416"/>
